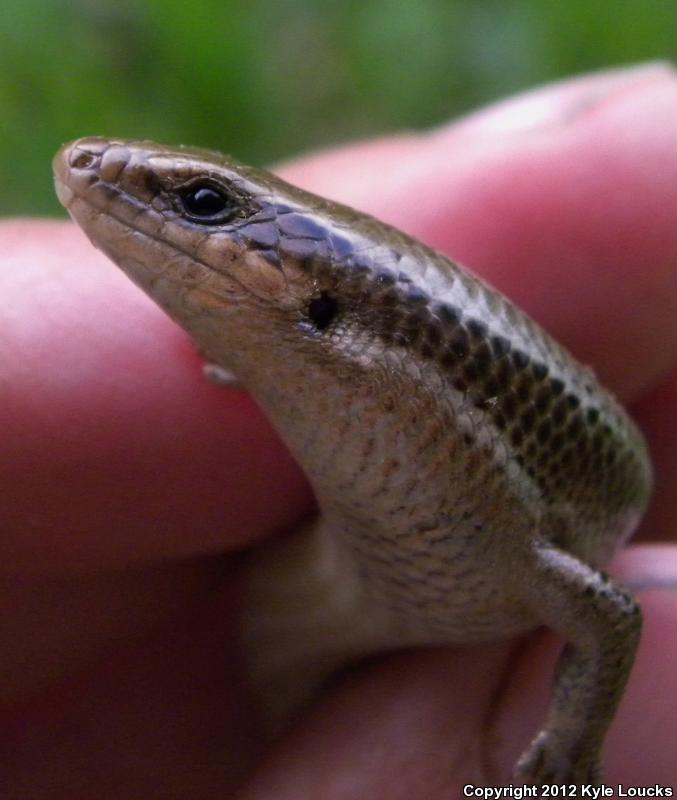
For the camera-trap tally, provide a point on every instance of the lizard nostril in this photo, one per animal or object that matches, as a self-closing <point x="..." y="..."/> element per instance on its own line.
<point x="82" y="160"/>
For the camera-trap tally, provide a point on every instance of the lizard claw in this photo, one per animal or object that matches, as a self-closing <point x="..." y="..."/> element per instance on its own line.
<point x="547" y="761"/>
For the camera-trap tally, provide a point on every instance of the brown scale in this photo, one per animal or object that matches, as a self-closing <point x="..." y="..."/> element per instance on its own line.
<point x="538" y="403"/>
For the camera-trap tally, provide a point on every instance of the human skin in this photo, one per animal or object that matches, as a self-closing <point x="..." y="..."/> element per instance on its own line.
<point x="129" y="486"/>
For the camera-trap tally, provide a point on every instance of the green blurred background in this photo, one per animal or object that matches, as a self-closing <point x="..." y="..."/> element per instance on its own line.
<point x="265" y="80"/>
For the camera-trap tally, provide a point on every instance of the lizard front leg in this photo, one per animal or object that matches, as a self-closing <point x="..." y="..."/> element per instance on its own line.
<point x="602" y="624"/>
<point x="305" y="618"/>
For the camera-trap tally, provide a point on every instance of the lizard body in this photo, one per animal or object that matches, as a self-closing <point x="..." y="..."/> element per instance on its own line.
<point x="471" y="476"/>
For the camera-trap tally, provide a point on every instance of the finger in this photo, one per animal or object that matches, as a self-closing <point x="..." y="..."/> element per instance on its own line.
<point x="167" y="504"/>
<point x="162" y="717"/>
<point x="656" y="412"/>
<point x="113" y="448"/>
<point x="411" y="727"/>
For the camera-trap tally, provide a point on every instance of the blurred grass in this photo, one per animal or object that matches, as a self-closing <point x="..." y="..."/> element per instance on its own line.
<point x="264" y="80"/>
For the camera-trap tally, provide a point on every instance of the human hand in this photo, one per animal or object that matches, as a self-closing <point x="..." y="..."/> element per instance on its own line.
<point x="129" y="483"/>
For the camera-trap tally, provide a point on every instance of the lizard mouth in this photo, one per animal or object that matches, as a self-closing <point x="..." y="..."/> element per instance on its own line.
<point x="63" y="191"/>
<point x="61" y="167"/>
<point x="143" y="238"/>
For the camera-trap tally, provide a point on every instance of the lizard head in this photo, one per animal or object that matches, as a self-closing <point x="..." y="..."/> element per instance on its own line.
<point x="233" y="251"/>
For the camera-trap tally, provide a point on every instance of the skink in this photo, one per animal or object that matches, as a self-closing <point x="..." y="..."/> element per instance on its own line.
<point x="471" y="476"/>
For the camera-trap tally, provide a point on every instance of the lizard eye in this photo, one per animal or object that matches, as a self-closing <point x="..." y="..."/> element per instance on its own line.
<point x="207" y="203"/>
<point x="322" y="310"/>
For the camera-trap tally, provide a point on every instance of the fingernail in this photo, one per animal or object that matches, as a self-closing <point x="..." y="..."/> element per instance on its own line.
<point x="559" y="103"/>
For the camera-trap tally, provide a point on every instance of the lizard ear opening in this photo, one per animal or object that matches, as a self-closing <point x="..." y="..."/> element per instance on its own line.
<point x="322" y="310"/>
